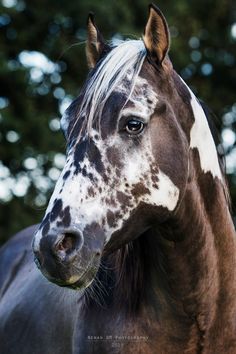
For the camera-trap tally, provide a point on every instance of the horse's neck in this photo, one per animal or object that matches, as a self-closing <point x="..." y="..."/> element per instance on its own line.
<point x="189" y="261"/>
<point x="178" y="280"/>
<point x="199" y="256"/>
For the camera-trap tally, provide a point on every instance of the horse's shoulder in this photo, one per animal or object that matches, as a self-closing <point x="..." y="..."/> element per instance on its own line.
<point x="21" y="239"/>
<point x="14" y="251"/>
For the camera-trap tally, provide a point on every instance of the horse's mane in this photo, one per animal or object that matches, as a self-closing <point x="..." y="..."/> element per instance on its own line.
<point x="126" y="272"/>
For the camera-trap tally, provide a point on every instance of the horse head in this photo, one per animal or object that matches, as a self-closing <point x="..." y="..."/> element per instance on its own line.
<point x="128" y="141"/>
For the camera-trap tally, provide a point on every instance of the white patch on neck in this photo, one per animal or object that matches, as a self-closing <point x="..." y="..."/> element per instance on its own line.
<point x="201" y="138"/>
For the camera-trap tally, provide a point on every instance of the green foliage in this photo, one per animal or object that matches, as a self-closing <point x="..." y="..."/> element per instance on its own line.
<point x="32" y="99"/>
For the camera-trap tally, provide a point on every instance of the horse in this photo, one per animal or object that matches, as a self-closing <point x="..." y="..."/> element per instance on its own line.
<point x="136" y="252"/>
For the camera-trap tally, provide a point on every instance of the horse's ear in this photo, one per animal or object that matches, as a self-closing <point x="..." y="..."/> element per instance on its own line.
<point x="156" y="35"/>
<point x="95" y="44"/>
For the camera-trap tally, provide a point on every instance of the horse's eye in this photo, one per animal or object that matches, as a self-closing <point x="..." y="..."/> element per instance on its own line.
<point x="134" y="126"/>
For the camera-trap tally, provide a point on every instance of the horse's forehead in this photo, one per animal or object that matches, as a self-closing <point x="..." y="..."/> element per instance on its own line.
<point x="141" y="90"/>
<point x="131" y="98"/>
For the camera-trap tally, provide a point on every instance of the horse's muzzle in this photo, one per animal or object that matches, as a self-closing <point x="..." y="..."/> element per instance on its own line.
<point x="66" y="258"/>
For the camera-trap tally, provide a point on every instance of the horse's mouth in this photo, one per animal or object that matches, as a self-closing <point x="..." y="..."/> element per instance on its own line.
<point x="82" y="281"/>
<point x="76" y="275"/>
<point x="85" y="279"/>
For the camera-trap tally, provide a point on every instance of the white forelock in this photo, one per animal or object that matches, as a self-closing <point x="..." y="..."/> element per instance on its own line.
<point x="125" y="57"/>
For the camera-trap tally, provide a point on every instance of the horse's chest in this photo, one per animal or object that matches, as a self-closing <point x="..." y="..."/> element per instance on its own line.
<point x="108" y="333"/>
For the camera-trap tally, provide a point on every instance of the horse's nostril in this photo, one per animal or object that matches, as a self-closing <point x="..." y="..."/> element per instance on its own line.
<point x="68" y="242"/>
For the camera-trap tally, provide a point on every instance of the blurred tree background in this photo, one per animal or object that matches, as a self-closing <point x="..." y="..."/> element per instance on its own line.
<point x="42" y="67"/>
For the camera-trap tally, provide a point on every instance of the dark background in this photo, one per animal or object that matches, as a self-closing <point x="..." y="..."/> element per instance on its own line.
<point x="42" y="67"/>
